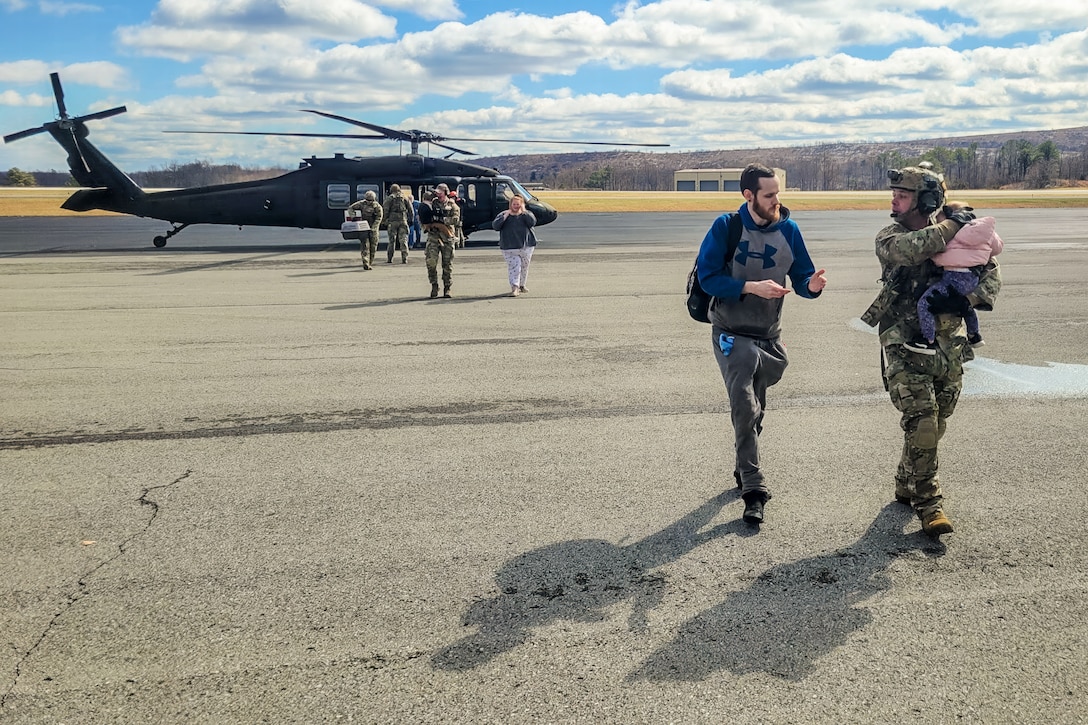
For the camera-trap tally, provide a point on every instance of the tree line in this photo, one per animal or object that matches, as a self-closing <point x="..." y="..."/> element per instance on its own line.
<point x="1017" y="163"/>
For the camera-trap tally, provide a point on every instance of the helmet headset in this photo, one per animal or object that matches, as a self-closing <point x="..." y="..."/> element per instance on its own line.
<point x="927" y="185"/>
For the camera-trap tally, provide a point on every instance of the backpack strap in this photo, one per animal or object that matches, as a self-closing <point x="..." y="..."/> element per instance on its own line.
<point x="735" y="227"/>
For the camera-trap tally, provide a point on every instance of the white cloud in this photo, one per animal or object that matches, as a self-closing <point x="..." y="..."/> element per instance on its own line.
<point x="189" y="29"/>
<point x="721" y="74"/>
<point x="100" y="74"/>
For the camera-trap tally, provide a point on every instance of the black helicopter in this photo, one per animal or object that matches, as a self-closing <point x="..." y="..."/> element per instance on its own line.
<point x="312" y="197"/>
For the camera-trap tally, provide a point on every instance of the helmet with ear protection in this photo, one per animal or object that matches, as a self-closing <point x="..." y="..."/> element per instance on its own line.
<point x="927" y="185"/>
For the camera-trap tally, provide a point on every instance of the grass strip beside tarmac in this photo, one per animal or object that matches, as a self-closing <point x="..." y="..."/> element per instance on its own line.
<point x="40" y="201"/>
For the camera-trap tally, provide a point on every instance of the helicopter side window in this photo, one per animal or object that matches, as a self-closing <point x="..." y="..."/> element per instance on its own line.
<point x="362" y="189"/>
<point x="338" y="196"/>
<point x="468" y="193"/>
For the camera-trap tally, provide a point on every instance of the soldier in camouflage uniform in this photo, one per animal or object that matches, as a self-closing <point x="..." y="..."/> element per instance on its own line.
<point x="924" y="388"/>
<point x="399" y="216"/>
<point x="439" y="222"/>
<point x="372" y="215"/>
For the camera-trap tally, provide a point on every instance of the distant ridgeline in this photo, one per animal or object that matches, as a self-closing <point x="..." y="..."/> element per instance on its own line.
<point x="1030" y="159"/>
<point x="1035" y="159"/>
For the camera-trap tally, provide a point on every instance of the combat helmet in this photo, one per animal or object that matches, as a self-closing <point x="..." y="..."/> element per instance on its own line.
<point x="927" y="185"/>
<point x="370" y="196"/>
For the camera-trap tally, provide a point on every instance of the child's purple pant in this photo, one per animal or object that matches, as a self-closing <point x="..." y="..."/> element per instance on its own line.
<point x="962" y="282"/>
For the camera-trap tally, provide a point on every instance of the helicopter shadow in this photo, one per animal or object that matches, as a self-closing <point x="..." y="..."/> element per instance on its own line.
<point x="792" y="614"/>
<point x="578" y="581"/>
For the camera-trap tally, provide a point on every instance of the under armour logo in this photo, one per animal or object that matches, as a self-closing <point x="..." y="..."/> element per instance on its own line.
<point x="767" y="255"/>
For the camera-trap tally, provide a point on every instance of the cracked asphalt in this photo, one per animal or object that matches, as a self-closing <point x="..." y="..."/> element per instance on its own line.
<point x="266" y="486"/>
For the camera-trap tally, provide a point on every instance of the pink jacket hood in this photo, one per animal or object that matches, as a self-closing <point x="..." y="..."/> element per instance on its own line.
<point x="973" y="245"/>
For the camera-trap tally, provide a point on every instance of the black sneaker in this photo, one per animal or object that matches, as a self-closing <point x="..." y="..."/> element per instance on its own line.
<point x="975" y="340"/>
<point x="922" y="347"/>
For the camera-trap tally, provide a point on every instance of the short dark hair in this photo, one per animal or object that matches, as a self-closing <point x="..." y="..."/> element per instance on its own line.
<point x="749" y="178"/>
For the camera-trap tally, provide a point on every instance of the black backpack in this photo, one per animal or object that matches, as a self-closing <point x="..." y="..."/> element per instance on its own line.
<point x="698" y="299"/>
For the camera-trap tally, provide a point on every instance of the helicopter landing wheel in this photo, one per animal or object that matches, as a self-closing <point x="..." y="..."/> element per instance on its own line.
<point x="160" y="241"/>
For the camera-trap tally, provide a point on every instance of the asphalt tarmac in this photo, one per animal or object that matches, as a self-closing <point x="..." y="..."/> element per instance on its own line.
<point x="263" y="485"/>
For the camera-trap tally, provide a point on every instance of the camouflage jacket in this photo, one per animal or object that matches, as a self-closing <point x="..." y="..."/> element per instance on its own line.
<point x="398" y="210"/>
<point x="908" y="271"/>
<point x="372" y="212"/>
<point x="444" y="220"/>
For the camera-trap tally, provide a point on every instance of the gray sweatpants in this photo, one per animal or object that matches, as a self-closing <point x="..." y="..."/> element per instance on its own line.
<point x="750" y="368"/>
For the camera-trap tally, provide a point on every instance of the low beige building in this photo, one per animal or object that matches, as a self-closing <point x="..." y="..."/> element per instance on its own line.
<point x="715" y="179"/>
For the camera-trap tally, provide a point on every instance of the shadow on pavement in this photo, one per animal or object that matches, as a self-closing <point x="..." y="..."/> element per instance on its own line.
<point x="577" y="581"/>
<point x="792" y="614"/>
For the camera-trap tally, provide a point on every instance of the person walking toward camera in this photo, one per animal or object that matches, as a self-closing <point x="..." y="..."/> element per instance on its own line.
<point x="924" y="385"/>
<point x="371" y="212"/>
<point x="517" y="241"/>
<point x="439" y="219"/>
<point x="747" y="282"/>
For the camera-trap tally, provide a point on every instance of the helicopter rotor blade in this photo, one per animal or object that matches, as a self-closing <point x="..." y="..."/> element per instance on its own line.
<point x="452" y="148"/>
<point x="391" y="133"/>
<point x="58" y="93"/>
<point x="23" y="134"/>
<point x="576" y="143"/>
<point x="416" y="136"/>
<point x="284" y="133"/>
<point x="103" y="114"/>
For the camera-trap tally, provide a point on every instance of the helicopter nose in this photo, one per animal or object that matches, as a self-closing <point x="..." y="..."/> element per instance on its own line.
<point x="544" y="213"/>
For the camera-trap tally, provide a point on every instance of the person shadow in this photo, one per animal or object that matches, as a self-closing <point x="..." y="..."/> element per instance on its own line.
<point x="579" y="581"/>
<point x="793" y="614"/>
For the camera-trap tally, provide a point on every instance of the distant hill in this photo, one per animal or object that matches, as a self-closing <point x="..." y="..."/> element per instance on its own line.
<point x="652" y="170"/>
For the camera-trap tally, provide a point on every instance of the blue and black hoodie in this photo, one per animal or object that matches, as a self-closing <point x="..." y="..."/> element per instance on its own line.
<point x="771" y="252"/>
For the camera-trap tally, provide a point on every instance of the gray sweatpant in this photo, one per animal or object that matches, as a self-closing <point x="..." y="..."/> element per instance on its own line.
<point x="751" y="367"/>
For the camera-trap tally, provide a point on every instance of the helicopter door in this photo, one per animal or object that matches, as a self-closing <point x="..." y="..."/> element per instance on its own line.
<point x="478" y="209"/>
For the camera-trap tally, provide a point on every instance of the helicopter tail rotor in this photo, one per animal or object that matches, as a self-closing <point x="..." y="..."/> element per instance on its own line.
<point x="74" y="126"/>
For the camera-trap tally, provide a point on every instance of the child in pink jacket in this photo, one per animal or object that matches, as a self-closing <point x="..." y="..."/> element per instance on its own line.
<point x="962" y="260"/>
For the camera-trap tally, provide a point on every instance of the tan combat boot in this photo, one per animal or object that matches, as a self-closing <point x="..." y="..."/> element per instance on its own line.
<point x="936" y="523"/>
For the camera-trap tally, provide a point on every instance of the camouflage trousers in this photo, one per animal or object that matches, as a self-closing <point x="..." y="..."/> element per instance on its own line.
<point x="925" y="390"/>
<point x="397" y="234"/>
<point x="433" y="253"/>
<point x="368" y="247"/>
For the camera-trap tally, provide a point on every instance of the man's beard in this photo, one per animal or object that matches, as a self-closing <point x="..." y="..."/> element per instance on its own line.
<point x="770" y="214"/>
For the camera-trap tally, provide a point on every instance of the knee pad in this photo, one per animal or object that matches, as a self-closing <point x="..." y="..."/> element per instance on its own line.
<point x="927" y="432"/>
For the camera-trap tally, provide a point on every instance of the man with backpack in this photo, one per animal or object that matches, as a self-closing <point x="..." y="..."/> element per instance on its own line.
<point x="399" y="216"/>
<point x="745" y="273"/>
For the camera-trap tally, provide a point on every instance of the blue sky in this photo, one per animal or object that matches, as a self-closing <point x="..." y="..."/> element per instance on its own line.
<point x="697" y="74"/>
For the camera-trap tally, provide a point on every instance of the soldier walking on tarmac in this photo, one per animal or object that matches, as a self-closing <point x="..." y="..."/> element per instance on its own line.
<point x="440" y="219"/>
<point x="398" y="216"/>
<point x="924" y="388"/>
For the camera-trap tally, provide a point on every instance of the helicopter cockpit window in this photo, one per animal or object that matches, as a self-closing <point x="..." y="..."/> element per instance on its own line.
<point x="504" y="191"/>
<point x="338" y="196"/>
<point x="512" y="187"/>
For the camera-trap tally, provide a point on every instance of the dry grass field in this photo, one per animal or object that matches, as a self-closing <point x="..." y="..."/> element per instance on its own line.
<point x="46" y="201"/>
